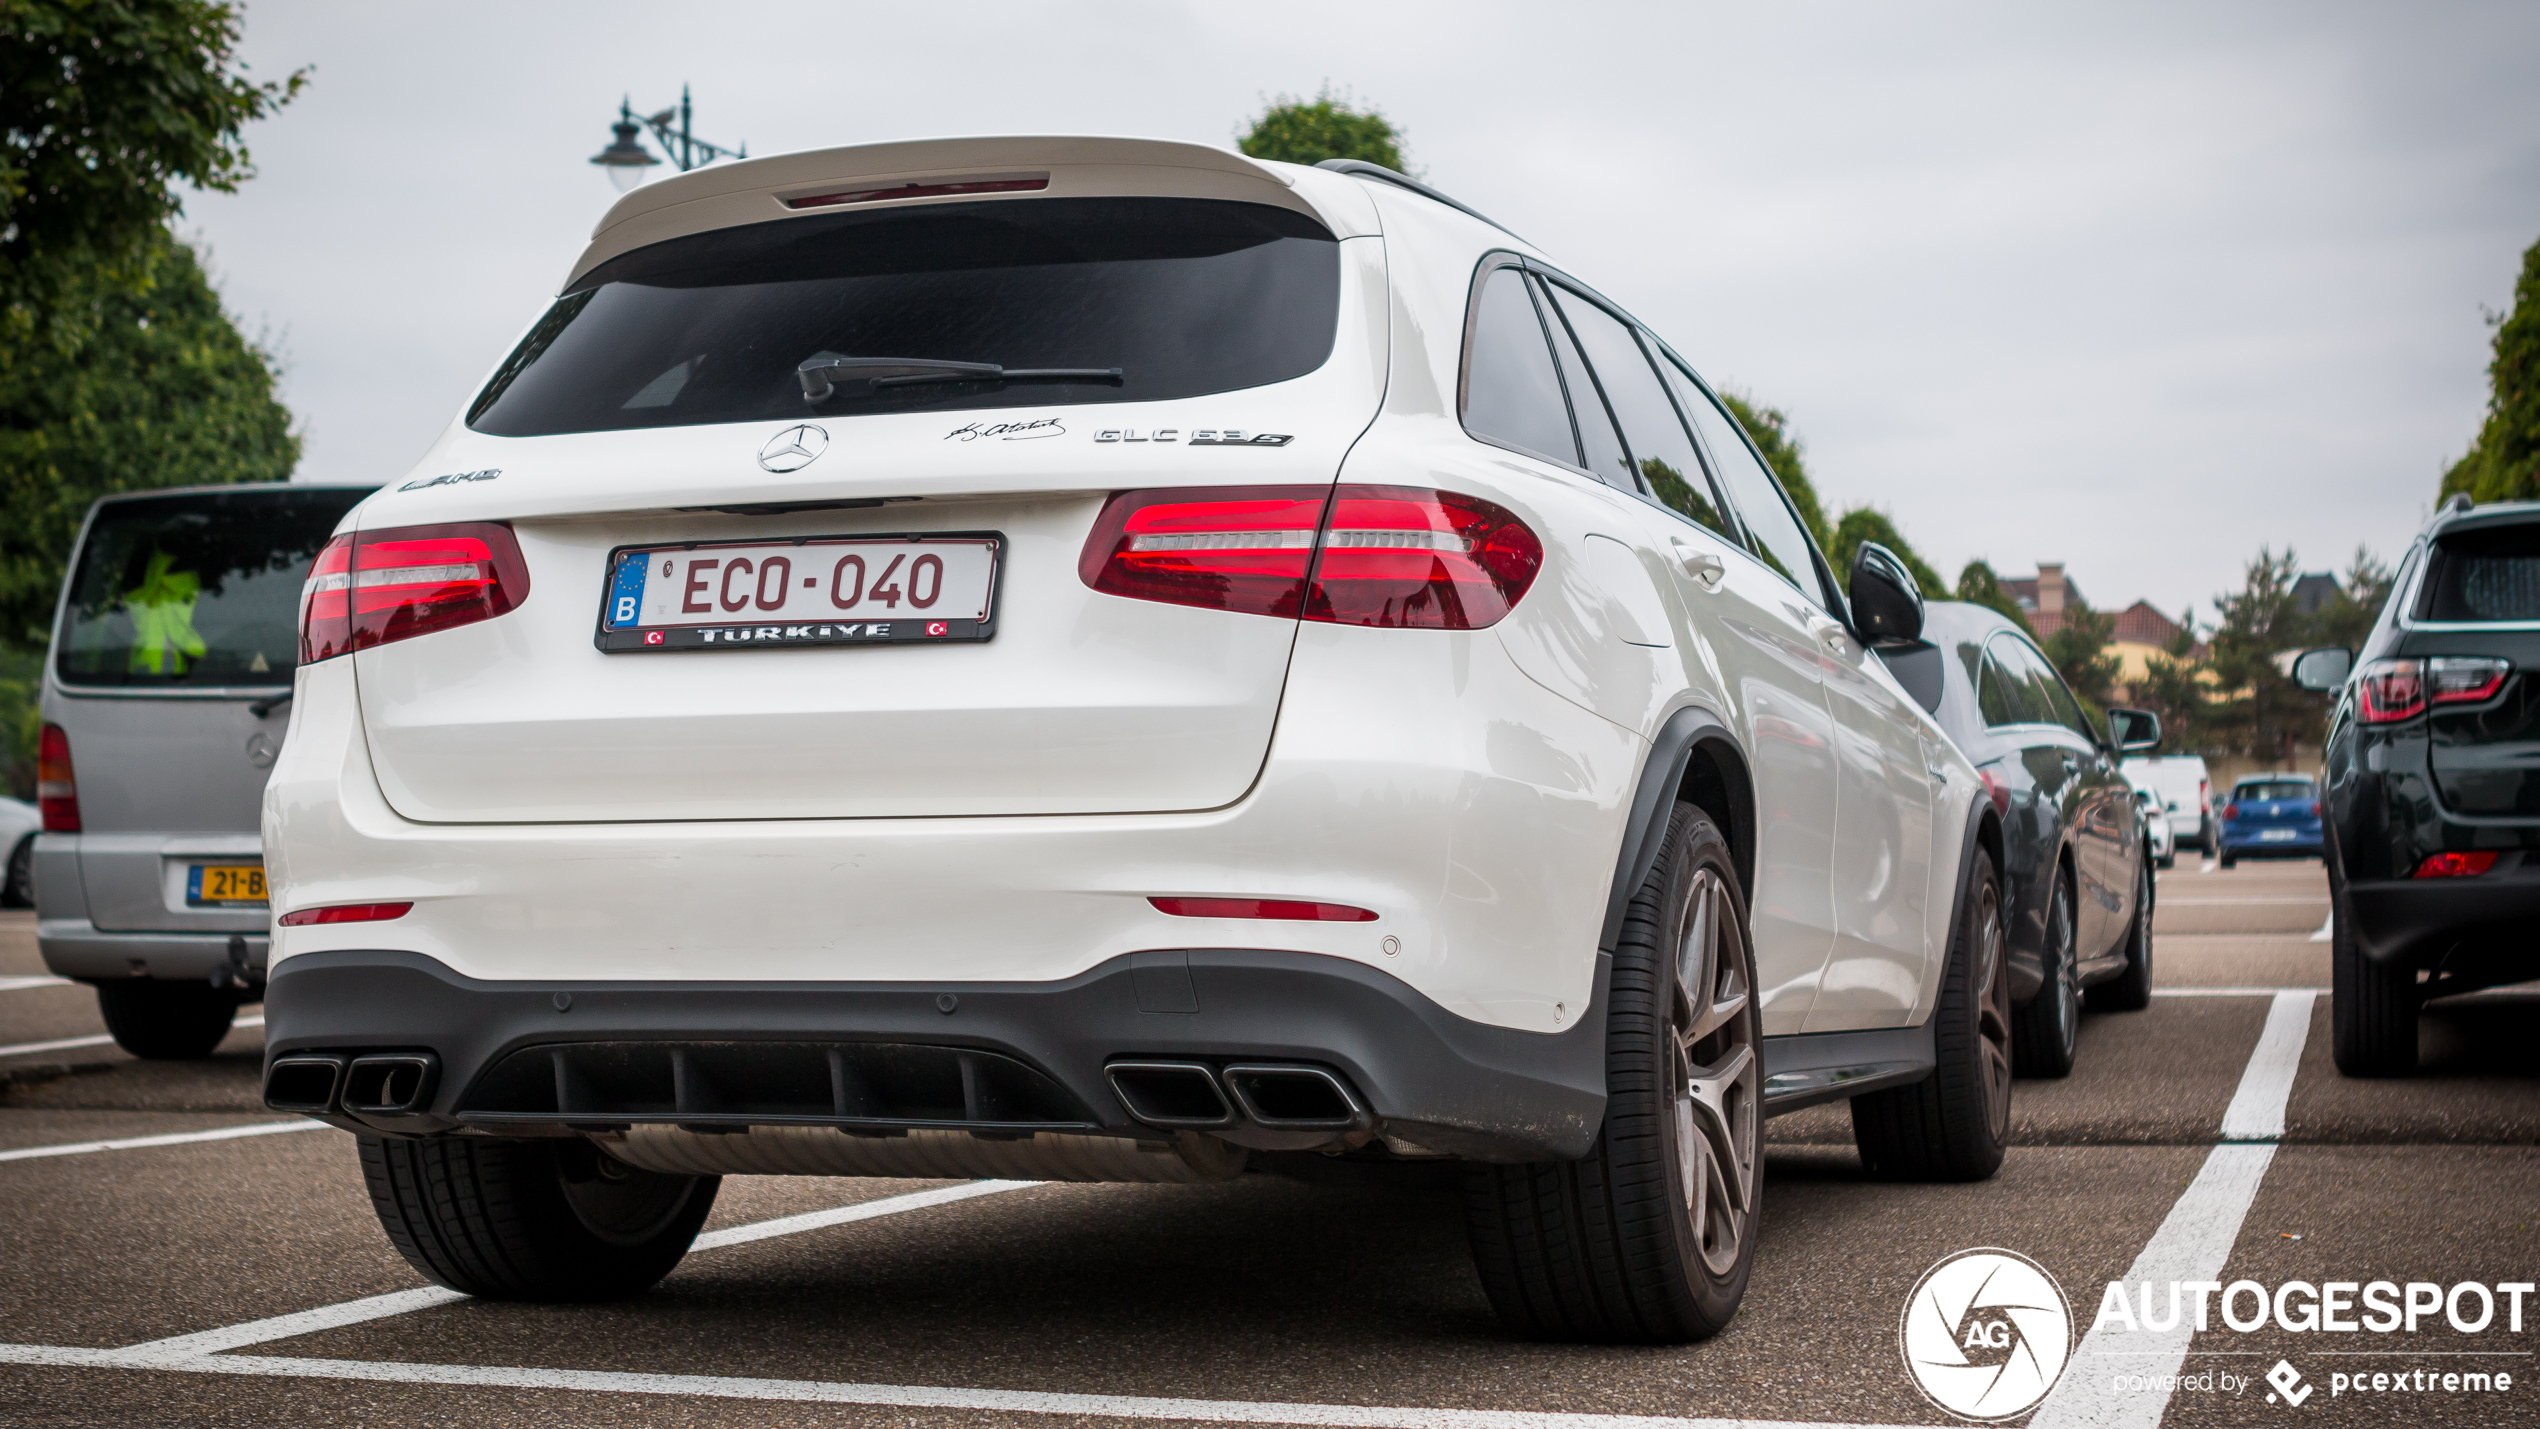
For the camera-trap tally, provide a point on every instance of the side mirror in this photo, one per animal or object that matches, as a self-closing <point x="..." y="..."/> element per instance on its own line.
<point x="2323" y="669"/>
<point x="1887" y="606"/>
<point x="2135" y="731"/>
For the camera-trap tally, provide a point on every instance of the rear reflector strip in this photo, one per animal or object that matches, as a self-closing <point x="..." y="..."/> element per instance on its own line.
<point x="1279" y="908"/>
<point x="345" y="913"/>
<point x="2456" y="865"/>
<point x="947" y="189"/>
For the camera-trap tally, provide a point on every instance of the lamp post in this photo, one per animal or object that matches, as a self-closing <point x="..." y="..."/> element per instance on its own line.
<point x="626" y="158"/>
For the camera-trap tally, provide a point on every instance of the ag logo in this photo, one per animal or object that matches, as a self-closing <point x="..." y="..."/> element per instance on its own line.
<point x="793" y="448"/>
<point x="1985" y="1333"/>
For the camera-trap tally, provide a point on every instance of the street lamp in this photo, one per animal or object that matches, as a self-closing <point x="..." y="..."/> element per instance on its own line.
<point x="626" y="158"/>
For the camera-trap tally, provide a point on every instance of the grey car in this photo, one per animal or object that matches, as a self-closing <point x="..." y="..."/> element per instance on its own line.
<point x="165" y="699"/>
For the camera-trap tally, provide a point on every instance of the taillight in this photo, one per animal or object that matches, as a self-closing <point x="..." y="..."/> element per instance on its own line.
<point x="2456" y="865"/>
<point x="1291" y="910"/>
<point x="2231" y="810"/>
<point x="1399" y="557"/>
<point x="2204" y="797"/>
<point x="382" y="586"/>
<point x="56" y="793"/>
<point x="345" y="913"/>
<point x="2314" y="807"/>
<point x="2392" y="690"/>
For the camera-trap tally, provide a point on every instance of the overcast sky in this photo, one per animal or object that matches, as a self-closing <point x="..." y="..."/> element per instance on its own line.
<point x="2135" y="287"/>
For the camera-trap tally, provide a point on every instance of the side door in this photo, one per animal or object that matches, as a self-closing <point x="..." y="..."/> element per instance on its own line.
<point x="2081" y="775"/>
<point x="1747" y="630"/>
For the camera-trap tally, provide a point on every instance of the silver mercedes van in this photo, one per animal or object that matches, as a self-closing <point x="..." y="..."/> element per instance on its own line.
<point x="164" y="701"/>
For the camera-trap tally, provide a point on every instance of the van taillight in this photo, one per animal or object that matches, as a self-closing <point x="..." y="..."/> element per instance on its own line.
<point x="382" y="586"/>
<point x="56" y="793"/>
<point x="1399" y="557"/>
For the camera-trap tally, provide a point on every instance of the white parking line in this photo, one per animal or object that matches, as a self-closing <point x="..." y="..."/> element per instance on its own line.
<point x="2235" y="902"/>
<point x="13" y="984"/>
<point x="897" y="1396"/>
<point x="2230" y="991"/>
<point x="179" y="1138"/>
<point x="100" y="1040"/>
<point x="2194" y="1239"/>
<point x="2328" y="929"/>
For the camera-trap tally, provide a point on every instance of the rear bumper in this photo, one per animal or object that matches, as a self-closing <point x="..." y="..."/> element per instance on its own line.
<point x="2480" y="929"/>
<point x="1441" y="1082"/>
<point x="76" y="948"/>
<point x="2248" y="845"/>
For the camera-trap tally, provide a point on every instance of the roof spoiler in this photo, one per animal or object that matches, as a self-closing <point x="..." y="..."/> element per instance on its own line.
<point x="1360" y="168"/>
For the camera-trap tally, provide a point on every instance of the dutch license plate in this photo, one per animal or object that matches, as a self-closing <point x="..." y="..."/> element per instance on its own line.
<point x="225" y="885"/>
<point x="822" y="590"/>
<point x="2278" y="835"/>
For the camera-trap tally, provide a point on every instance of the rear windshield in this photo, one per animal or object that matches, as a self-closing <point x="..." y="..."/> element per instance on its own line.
<point x="1185" y="296"/>
<point x="194" y="590"/>
<point x="2484" y="575"/>
<point x="2273" y="789"/>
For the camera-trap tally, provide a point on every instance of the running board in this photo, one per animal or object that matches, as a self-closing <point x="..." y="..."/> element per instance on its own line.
<point x="1814" y="1067"/>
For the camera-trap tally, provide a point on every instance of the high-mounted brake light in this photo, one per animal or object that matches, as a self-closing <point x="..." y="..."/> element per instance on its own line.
<point x="1289" y="910"/>
<point x="1399" y="557"/>
<point x="383" y="586"/>
<point x="56" y="793"/>
<point x="947" y="188"/>
<point x="2388" y="691"/>
<point x="2456" y="865"/>
<point x="345" y="913"/>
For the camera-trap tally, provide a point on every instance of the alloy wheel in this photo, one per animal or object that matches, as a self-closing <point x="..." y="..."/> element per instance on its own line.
<point x="1993" y="1009"/>
<point x="2067" y="972"/>
<point x="1716" y="1077"/>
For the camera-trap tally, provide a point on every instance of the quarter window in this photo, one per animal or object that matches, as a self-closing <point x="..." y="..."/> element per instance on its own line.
<point x="1605" y="455"/>
<point x="1512" y="392"/>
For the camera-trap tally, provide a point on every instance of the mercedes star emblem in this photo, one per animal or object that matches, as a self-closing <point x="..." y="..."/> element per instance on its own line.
<point x="793" y="448"/>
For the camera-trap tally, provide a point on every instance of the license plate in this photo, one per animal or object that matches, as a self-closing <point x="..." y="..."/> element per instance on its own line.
<point x="2278" y="835"/>
<point x="822" y="590"/>
<point x="225" y="885"/>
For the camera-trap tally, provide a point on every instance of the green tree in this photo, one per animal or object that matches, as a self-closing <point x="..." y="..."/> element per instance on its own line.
<point x="2170" y="688"/>
<point x="2079" y="651"/>
<point x="1978" y="585"/>
<point x="2347" y="619"/>
<point x="2262" y="712"/>
<point x="1301" y="131"/>
<point x="1770" y="427"/>
<point x="1863" y="523"/>
<point x="2504" y="463"/>
<point x="105" y="105"/>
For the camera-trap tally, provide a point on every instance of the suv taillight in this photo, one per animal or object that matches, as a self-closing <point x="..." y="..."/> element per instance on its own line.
<point x="2392" y="690"/>
<point x="1399" y="557"/>
<point x="382" y="586"/>
<point x="2204" y="797"/>
<point x="56" y="793"/>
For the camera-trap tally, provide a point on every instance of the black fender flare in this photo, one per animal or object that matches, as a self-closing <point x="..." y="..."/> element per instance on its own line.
<point x="1671" y="754"/>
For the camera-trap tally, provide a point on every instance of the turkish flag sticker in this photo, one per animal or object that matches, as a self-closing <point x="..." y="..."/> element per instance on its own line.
<point x="652" y="637"/>
<point x="937" y="627"/>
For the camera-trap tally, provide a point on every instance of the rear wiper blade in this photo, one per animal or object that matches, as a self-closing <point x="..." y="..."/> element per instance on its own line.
<point x="820" y="375"/>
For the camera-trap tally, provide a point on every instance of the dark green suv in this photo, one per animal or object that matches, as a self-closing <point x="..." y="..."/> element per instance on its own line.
<point x="2431" y="784"/>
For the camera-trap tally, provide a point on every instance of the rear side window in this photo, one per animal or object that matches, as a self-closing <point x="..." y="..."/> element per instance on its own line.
<point x="201" y="589"/>
<point x="2483" y="576"/>
<point x="1998" y="696"/>
<point x="1185" y="296"/>
<point x="1660" y="451"/>
<point x="1778" y="536"/>
<point x="1512" y="392"/>
<point x="1598" y="439"/>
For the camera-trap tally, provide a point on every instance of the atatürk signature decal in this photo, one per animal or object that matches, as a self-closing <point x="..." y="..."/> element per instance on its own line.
<point x="1010" y="431"/>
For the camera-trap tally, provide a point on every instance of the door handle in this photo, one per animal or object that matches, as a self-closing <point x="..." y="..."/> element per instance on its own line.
<point x="1828" y="631"/>
<point x="1701" y="565"/>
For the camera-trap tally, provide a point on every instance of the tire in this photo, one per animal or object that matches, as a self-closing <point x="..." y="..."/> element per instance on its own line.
<point x="166" y="1021"/>
<point x="2226" y="858"/>
<point x="2167" y="860"/>
<point x="1952" y="1125"/>
<point x="2131" y="990"/>
<point x="1650" y="1238"/>
<point x="2372" y="1008"/>
<point x="2045" y="1033"/>
<point x="552" y="1220"/>
<point x="17" y="885"/>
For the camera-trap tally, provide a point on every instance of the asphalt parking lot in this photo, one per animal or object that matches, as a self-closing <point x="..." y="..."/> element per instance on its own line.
<point x="242" y="1279"/>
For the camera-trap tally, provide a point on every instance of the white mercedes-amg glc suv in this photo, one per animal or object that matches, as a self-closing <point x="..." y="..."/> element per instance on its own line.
<point x="1104" y="659"/>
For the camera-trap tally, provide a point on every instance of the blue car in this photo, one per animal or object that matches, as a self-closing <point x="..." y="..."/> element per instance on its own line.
<point x="2271" y="816"/>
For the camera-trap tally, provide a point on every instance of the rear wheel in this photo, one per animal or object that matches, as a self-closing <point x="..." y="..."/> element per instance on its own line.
<point x="2131" y="990"/>
<point x="1952" y="1125"/>
<point x="532" y="1220"/>
<point x="2046" y="1032"/>
<point x="166" y="1021"/>
<point x="1650" y="1238"/>
<point x="17" y="885"/>
<point x="2372" y="1008"/>
<point x="2226" y="859"/>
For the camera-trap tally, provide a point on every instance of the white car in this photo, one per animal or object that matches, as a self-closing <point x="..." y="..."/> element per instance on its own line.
<point x="19" y="823"/>
<point x="2186" y="792"/>
<point x="2156" y="828"/>
<point x="1104" y="659"/>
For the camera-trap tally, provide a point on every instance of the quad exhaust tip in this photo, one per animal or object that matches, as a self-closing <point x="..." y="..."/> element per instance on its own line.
<point x="304" y="1083"/>
<point x="1295" y="1098"/>
<point x="379" y="1084"/>
<point x="1278" y="1096"/>
<point x="1173" y="1094"/>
